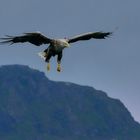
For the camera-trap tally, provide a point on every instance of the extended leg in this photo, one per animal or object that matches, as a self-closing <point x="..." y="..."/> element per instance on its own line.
<point x="59" y="57"/>
<point x="46" y="52"/>
<point x="48" y="56"/>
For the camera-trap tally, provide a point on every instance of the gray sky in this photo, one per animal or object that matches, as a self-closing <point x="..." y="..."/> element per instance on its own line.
<point x="110" y="65"/>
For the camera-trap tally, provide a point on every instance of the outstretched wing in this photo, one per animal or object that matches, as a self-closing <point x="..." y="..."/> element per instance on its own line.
<point x="87" y="36"/>
<point x="34" y="38"/>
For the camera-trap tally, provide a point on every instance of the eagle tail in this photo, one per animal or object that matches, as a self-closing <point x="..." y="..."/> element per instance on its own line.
<point x="42" y="55"/>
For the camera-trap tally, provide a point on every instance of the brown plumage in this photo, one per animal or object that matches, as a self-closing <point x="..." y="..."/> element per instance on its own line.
<point x="34" y="38"/>
<point x="87" y="36"/>
<point x="56" y="46"/>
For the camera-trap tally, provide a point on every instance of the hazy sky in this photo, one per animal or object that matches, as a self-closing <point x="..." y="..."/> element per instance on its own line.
<point x="110" y="65"/>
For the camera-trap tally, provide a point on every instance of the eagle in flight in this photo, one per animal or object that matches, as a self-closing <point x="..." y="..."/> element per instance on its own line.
<point x="56" y="46"/>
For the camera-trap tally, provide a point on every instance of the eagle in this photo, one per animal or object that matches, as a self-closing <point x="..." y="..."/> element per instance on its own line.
<point x="55" y="46"/>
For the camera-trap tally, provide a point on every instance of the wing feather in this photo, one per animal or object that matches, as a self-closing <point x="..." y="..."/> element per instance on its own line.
<point x="87" y="36"/>
<point x="33" y="38"/>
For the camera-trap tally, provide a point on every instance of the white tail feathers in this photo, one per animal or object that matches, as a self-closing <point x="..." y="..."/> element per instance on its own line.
<point x="42" y="55"/>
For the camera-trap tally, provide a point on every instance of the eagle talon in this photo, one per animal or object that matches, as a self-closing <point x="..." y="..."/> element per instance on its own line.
<point x="59" y="68"/>
<point x="48" y="67"/>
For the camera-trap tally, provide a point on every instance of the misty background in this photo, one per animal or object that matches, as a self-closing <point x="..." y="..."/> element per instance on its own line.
<point x="111" y="65"/>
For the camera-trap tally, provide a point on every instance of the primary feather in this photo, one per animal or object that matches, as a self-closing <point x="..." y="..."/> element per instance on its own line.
<point x="87" y="36"/>
<point x="33" y="38"/>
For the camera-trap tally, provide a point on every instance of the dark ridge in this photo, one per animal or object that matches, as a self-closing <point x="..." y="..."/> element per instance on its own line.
<point x="32" y="107"/>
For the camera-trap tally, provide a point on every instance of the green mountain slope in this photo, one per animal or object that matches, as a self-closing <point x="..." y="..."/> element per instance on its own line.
<point x="32" y="107"/>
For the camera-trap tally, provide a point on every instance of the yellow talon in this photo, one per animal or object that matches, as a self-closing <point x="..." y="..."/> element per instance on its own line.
<point x="48" y="67"/>
<point x="58" y="67"/>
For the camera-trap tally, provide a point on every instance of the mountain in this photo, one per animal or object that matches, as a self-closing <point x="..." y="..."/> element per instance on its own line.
<point x="32" y="107"/>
